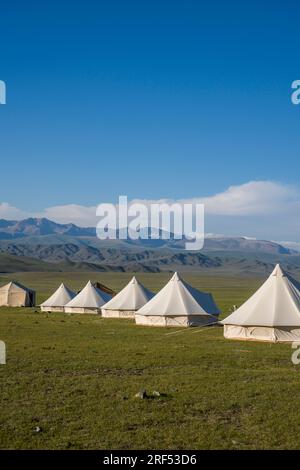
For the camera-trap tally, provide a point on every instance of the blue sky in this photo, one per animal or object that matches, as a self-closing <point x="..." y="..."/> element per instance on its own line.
<point x="152" y="99"/>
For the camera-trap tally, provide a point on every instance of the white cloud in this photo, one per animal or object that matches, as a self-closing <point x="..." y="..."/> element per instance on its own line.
<point x="253" y="198"/>
<point x="80" y="215"/>
<point x="261" y="209"/>
<point x="10" y="212"/>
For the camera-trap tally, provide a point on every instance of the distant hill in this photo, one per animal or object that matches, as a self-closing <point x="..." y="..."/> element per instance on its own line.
<point x="40" y="245"/>
<point x="10" y="229"/>
<point x="10" y="263"/>
<point x="246" y="245"/>
<point x="42" y="227"/>
<point x="156" y="261"/>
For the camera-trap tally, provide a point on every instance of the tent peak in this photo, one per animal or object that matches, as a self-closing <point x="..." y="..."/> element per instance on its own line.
<point x="176" y="277"/>
<point x="177" y="299"/>
<point x="278" y="271"/>
<point x="17" y="284"/>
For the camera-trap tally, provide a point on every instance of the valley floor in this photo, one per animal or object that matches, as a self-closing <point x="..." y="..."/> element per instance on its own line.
<point x="70" y="380"/>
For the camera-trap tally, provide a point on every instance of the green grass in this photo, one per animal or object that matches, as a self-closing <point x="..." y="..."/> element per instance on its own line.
<point x="227" y="291"/>
<point x="75" y="377"/>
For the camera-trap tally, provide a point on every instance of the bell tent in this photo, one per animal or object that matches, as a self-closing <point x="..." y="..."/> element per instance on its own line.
<point x="14" y="294"/>
<point x="178" y="304"/>
<point x="272" y="314"/>
<point x="58" y="300"/>
<point x="127" y="301"/>
<point x="89" y="300"/>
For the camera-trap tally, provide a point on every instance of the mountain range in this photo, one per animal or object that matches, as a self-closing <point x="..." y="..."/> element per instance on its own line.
<point x="41" y="244"/>
<point x="11" y="229"/>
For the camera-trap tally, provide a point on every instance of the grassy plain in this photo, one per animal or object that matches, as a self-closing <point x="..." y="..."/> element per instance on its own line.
<point x="70" y="380"/>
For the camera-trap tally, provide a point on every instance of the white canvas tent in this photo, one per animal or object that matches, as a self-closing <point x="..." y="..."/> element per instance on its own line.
<point x="58" y="300"/>
<point x="15" y="294"/>
<point x="272" y="314"/>
<point x="89" y="300"/>
<point x="127" y="301"/>
<point x="178" y="304"/>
